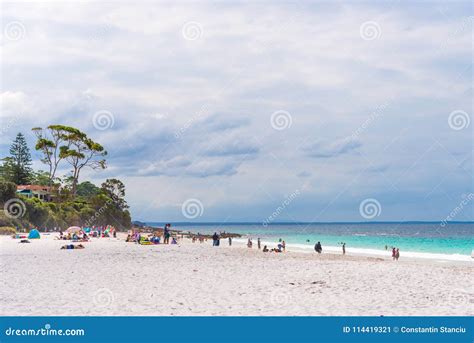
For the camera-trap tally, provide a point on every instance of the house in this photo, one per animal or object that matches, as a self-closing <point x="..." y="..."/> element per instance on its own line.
<point x="35" y="191"/>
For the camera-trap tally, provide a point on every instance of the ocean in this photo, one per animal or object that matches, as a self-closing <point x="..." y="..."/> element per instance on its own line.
<point x="452" y="241"/>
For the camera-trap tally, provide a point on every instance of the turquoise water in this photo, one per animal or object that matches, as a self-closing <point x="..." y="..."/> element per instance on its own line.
<point x="454" y="238"/>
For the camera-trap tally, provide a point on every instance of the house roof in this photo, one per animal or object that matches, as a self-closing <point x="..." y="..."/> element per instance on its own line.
<point x="36" y="188"/>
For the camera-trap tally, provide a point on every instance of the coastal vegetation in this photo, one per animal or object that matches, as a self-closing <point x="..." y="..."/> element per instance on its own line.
<point x="62" y="200"/>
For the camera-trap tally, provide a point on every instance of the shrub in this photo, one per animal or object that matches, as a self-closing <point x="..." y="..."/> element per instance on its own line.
<point x="7" y="191"/>
<point x="7" y="230"/>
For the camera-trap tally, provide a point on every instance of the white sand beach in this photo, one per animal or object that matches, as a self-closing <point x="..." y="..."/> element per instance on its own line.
<point x="112" y="277"/>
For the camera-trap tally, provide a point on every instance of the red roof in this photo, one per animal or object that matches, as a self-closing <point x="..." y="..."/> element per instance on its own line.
<point x="33" y="188"/>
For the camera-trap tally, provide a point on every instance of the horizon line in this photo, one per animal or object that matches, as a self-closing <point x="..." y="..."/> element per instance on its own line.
<point x="303" y="222"/>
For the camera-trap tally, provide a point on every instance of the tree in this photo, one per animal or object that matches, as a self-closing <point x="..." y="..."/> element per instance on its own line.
<point x="83" y="152"/>
<point x="7" y="169"/>
<point x="87" y="189"/>
<point x="115" y="189"/>
<point x="40" y="177"/>
<point x="16" y="168"/>
<point x="52" y="141"/>
<point x="7" y="191"/>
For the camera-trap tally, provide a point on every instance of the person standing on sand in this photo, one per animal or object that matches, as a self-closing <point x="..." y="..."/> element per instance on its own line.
<point x="230" y="241"/>
<point x="215" y="237"/>
<point x="283" y="245"/>
<point x="394" y="253"/>
<point x="249" y="243"/>
<point x="258" y="243"/>
<point x="343" y="248"/>
<point x="397" y="254"/>
<point x="166" y="234"/>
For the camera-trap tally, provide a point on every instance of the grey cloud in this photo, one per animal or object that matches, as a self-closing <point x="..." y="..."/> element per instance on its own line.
<point x="329" y="149"/>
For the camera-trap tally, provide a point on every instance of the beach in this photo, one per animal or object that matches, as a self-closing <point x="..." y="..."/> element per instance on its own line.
<point x="111" y="278"/>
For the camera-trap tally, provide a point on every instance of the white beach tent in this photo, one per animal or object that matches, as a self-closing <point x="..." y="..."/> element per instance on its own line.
<point x="74" y="229"/>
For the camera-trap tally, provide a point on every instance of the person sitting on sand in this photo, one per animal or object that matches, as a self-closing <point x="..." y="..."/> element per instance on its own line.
<point x="174" y="241"/>
<point x="265" y="249"/>
<point x="318" y="247"/>
<point x="72" y="246"/>
<point x="249" y="243"/>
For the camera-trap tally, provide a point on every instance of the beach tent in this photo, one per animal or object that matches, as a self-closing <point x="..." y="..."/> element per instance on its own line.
<point x="74" y="229"/>
<point x="34" y="234"/>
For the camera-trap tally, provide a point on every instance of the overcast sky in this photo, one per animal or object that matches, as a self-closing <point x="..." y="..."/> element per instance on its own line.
<point x="254" y="111"/>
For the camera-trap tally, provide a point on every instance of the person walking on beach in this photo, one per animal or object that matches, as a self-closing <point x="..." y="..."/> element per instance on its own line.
<point x="215" y="238"/>
<point x="397" y="254"/>
<point x="283" y="245"/>
<point x="394" y="253"/>
<point x="258" y="243"/>
<point x="230" y="241"/>
<point x="318" y="247"/>
<point x="343" y="248"/>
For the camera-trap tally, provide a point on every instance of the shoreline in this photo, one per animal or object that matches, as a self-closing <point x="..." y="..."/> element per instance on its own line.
<point x="362" y="252"/>
<point x="113" y="277"/>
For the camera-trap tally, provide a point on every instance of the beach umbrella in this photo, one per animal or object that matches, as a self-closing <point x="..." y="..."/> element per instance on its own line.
<point x="74" y="229"/>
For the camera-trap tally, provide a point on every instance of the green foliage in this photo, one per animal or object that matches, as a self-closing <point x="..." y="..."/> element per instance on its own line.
<point x="21" y="158"/>
<point x="7" y="230"/>
<point x="7" y="191"/>
<point x="16" y="168"/>
<point x="82" y="204"/>
<point x="87" y="189"/>
<point x="40" y="178"/>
